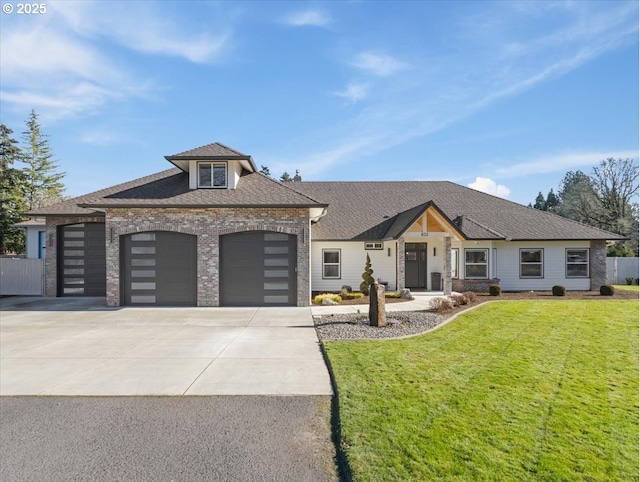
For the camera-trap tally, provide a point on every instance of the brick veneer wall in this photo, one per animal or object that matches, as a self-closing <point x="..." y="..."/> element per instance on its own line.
<point x="208" y="224"/>
<point x="51" y="260"/>
<point x="598" y="264"/>
<point x="475" y="285"/>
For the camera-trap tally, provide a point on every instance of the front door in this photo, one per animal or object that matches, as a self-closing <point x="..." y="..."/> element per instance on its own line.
<point x="415" y="259"/>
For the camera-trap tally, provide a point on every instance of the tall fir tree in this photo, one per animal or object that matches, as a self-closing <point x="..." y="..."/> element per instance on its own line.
<point x="12" y="194"/>
<point x="44" y="184"/>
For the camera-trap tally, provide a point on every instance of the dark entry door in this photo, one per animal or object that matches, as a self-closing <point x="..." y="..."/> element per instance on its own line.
<point x="82" y="267"/>
<point x="258" y="268"/>
<point x="415" y="258"/>
<point x="159" y="268"/>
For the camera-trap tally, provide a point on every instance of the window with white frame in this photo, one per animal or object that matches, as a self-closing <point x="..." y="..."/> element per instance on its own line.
<point x="212" y="174"/>
<point x="476" y="263"/>
<point x="455" y="252"/>
<point x="531" y="263"/>
<point x="331" y="264"/>
<point x="370" y="246"/>
<point x="577" y="263"/>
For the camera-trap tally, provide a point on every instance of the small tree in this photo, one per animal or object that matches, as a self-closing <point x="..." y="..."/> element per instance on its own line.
<point x="265" y="170"/>
<point x="285" y="177"/>
<point x="367" y="276"/>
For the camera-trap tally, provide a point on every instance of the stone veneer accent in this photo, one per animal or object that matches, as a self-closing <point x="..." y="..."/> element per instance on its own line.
<point x="447" y="266"/>
<point x="51" y="260"/>
<point x="400" y="265"/>
<point x="598" y="264"/>
<point x="475" y="285"/>
<point x="208" y="224"/>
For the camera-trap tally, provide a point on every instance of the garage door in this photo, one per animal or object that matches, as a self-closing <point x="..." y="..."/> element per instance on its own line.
<point x="82" y="267"/>
<point x="258" y="268"/>
<point x="159" y="268"/>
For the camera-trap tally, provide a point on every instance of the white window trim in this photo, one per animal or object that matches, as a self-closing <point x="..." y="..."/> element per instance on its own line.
<point x="541" y="263"/>
<point x="567" y="263"/>
<point x="213" y="164"/>
<point x="373" y="245"/>
<point x="485" y="264"/>
<point x="338" y="264"/>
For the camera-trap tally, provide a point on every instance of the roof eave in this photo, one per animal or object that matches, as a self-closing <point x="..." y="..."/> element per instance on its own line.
<point x="211" y="158"/>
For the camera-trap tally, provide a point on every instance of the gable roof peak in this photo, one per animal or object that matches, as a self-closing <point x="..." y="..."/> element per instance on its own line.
<point x="211" y="151"/>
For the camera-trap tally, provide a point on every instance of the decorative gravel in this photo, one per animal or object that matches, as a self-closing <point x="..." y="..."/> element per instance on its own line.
<point x="355" y="326"/>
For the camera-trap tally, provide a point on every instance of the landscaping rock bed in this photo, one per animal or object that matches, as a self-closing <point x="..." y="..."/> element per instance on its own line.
<point x="355" y="326"/>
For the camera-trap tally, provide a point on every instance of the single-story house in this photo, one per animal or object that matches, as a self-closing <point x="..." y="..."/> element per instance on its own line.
<point x="213" y="231"/>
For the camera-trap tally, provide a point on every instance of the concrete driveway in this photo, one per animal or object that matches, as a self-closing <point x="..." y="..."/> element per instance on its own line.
<point x="76" y="346"/>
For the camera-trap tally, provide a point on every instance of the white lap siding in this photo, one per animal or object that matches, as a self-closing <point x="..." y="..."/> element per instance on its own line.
<point x="352" y="261"/>
<point x="508" y="265"/>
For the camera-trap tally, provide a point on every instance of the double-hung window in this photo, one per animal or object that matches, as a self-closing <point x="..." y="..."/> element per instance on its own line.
<point x="212" y="174"/>
<point x="476" y="263"/>
<point x="531" y="263"/>
<point x="331" y="264"/>
<point x="577" y="263"/>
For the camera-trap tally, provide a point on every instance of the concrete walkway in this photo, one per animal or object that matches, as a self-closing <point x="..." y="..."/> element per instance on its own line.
<point x="76" y="346"/>
<point x="421" y="301"/>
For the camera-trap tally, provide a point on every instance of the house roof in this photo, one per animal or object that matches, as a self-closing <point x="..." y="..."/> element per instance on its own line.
<point x="383" y="210"/>
<point x="170" y="188"/>
<point x="214" y="150"/>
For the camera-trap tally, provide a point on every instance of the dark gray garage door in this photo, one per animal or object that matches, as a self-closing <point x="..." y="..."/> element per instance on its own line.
<point x="258" y="268"/>
<point x="159" y="268"/>
<point x="82" y="260"/>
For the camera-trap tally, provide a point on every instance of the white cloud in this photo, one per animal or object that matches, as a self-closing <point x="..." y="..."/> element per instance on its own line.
<point x="562" y="162"/>
<point x="489" y="186"/>
<point x="354" y="92"/>
<point x="313" y="18"/>
<point x="381" y="65"/>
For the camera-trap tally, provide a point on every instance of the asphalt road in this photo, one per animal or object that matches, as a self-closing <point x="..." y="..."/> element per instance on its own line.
<point x="225" y="438"/>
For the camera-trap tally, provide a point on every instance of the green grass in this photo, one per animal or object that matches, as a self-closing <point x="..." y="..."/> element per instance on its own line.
<point x="527" y="390"/>
<point x="627" y="287"/>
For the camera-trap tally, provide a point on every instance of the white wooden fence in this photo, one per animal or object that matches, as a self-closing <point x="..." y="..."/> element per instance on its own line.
<point x="619" y="269"/>
<point x="19" y="276"/>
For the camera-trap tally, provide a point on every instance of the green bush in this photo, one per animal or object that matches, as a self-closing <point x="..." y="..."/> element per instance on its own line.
<point x="392" y="294"/>
<point x="559" y="290"/>
<point x="352" y="296"/>
<point x="332" y="296"/>
<point x="367" y="277"/>
<point x="495" y="290"/>
<point x="629" y="281"/>
<point x="607" y="290"/>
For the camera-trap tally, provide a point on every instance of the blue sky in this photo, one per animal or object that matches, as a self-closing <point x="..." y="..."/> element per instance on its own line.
<point x="505" y="96"/>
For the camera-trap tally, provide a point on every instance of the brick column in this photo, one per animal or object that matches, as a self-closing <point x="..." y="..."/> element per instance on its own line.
<point x="447" y="265"/>
<point x="598" y="264"/>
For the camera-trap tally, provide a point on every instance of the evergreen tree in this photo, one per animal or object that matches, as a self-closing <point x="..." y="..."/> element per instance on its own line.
<point x="285" y="177"/>
<point x="43" y="183"/>
<point x="552" y="201"/>
<point x="540" y="202"/>
<point x="265" y="170"/>
<point x="12" y="196"/>
<point x="367" y="277"/>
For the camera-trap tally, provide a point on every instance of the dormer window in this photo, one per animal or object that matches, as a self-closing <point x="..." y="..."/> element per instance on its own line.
<point x="212" y="174"/>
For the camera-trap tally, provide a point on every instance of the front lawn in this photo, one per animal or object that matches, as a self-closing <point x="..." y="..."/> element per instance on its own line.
<point x="522" y="390"/>
<point x="628" y="287"/>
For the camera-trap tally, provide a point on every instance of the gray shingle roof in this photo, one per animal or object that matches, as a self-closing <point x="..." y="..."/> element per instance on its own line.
<point x="212" y="151"/>
<point x="375" y="210"/>
<point x="170" y="188"/>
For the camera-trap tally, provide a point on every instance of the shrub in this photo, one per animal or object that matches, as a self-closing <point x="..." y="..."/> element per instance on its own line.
<point x="352" y="296"/>
<point x="441" y="305"/>
<point x="392" y="294"/>
<point x="495" y="290"/>
<point x="346" y="289"/>
<point x="637" y="281"/>
<point x="470" y="296"/>
<point x="629" y="281"/>
<point x="459" y="300"/>
<point x="332" y="296"/>
<point x="606" y="290"/>
<point x="367" y="277"/>
<point x="559" y="290"/>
